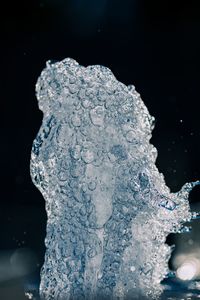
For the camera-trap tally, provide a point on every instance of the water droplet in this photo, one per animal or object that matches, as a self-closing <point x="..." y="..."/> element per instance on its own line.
<point x="185" y="229"/>
<point x="87" y="156"/>
<point x="84" y="187"/>
<point x="168" y="204"/>
<point x="130" y="136"/>
<point x="76" y="120"/>
<point x="86" y="103"/>
<point x="62" y="175"/>
<point x="92" y="185"/>
<point x="101" y="95"/>
<point x="195" y="215"/>
<point x="76" y="152"/>
<point x="97" y="115"/>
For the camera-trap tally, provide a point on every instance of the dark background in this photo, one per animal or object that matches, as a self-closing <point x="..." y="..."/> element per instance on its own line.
<point x="154" y="45"/>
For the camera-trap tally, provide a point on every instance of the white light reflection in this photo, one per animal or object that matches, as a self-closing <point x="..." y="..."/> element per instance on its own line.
<point x="17" y="263"/>
<point x="189" y="269"/>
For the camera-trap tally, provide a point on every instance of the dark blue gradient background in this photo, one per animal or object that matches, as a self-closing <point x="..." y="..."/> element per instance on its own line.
<point x="154" y="45"/>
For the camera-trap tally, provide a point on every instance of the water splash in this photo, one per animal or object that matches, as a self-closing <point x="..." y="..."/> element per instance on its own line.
<point x="109" y="209"/>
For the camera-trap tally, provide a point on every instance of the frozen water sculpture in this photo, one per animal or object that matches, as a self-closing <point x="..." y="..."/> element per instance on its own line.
<point x="109" y="210"/>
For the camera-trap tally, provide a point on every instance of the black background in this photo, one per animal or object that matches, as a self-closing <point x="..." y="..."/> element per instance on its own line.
<point x="154" y="45"/>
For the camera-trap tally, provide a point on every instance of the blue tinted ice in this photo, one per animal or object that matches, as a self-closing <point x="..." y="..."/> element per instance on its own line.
<point x="108" y="207"/>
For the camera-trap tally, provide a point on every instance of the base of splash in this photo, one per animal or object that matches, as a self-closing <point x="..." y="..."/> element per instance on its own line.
<point x="174" y="289"/>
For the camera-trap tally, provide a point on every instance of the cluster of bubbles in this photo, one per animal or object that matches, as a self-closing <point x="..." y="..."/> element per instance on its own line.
<point x="109" y="210"/>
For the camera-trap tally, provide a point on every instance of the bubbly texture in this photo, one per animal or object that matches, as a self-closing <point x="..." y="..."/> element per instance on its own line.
<point x="109" y="210"/>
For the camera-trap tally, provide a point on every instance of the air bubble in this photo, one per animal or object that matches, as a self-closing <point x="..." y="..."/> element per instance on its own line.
<point x="76" y="121"/>
<point x="76" y="152"/>
<point x="97" y="115"/>
<point x="86" y="103"/>
<point x="130" y="136"/>
<point x="92" y="185"/>
<point x="87" y="156"/>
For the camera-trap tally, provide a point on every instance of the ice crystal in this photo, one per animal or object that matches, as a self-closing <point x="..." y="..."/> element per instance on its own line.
<point x="108" y="207"/>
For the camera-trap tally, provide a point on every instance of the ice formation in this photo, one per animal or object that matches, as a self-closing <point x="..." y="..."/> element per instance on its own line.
<point x="108" y="207"/>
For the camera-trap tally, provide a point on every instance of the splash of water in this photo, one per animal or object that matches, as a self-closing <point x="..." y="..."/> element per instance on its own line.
<point x="108" y="207"/>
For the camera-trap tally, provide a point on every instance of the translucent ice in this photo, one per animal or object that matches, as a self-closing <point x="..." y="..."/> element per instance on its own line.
<point x="109" y="210"/>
